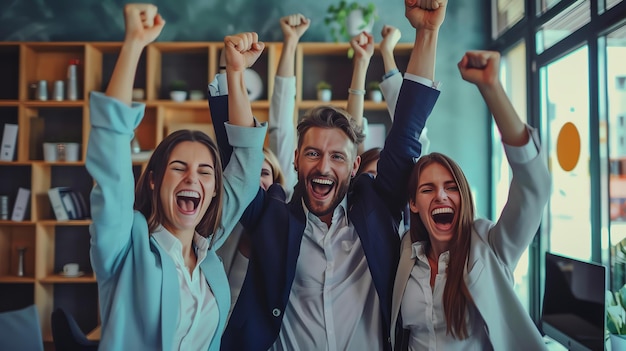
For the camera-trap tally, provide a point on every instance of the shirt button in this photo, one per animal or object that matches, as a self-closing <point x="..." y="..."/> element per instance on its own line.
<point x="276" y="312"/>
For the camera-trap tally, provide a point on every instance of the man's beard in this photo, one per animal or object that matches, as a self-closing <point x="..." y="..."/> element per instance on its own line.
<point x="340" y="190"/>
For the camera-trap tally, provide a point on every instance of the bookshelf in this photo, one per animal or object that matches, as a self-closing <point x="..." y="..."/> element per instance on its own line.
<point x="50" y="243"/>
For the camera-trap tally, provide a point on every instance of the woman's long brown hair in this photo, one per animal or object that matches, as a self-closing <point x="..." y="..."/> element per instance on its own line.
<point x="456" y="296"/>
<point x="148" y="201"/>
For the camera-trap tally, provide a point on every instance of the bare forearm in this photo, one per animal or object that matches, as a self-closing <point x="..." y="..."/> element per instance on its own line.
<point x="422" y="60"/>
<point x="356" y="96"/>
<point x="123" y="77"/>
<point x="389" y="61"/>
<point x="511" y="127"/>
<point x="239" y="108"/>
<point x="286" y="63"/>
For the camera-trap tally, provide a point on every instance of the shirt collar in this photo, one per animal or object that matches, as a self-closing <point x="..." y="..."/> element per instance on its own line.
<point x="174" y="247"/>
<point x="418" y="252"/>
<point x="342" y="208"/>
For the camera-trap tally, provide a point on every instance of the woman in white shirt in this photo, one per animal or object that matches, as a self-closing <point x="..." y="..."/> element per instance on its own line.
<point x="454" y="285"/>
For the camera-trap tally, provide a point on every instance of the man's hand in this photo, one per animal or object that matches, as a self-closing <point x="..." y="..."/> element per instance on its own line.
<point x="293" y="27"/>
<point x="242" y="50"/>
<point x="143" y="23"/>
<point x="424" y="17"/>
<point x="391" y="35"/>
<point x="481" y="68"/>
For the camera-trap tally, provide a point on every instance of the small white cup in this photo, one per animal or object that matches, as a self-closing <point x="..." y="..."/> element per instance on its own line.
<point x="71" y="269"/>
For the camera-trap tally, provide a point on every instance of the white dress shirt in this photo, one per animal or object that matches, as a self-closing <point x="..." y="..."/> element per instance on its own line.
<point x="333" y="304"/>
<point x="198" y="314"/>
<point x="423" y="314"/>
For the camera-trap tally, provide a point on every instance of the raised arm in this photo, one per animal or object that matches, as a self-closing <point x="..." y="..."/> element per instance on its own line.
<point x="143" y="26"/>
<point x="219" y="98"/>
<point x="241" y="174"/>
<point x="282" y="130"/>
<point x="293" y="28"/>
<point x="363" y="46"/>
<point x="426" y="23"/>
<point x="113" y="119"/>
<point x="241" y="51"/>
<point x="530" y="186"/>
<point x="392" y="80"/>
<point x="415" y="102"/>
<point x="481" y="68"/>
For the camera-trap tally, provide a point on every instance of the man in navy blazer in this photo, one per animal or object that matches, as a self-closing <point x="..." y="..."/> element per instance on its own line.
<point x="322" y="266"/>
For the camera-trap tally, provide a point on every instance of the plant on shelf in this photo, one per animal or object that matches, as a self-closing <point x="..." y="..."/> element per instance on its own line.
<point x="616" y="317"/>
<point x="178" y="90"/>
<point x="348" y="19"/>
<point x="324" y="91"/>
<point x="373" y="89"/>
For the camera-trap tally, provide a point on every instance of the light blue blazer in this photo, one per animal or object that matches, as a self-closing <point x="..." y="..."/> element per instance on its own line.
<point x="137" y="281"/>
<point x="495" y="249"/>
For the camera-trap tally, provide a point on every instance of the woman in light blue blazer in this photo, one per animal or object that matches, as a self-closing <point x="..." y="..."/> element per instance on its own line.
<point x="454" y="285"/>
<point x="160" y="283"/>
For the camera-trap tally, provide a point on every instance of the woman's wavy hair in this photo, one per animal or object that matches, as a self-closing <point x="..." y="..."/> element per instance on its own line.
<point x="148" y="202"/>
<point x="456" y="296"/>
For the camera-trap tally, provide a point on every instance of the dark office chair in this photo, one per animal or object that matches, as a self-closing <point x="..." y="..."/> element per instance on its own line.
<point x="67" y="335"/>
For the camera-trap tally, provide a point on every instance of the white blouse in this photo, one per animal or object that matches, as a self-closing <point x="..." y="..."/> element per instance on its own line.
<point x="423" y="314"/>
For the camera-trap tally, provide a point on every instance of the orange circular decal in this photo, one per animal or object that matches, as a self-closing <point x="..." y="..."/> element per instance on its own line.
<point x="568" y="146"/>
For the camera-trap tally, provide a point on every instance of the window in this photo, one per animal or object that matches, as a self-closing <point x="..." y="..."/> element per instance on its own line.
<point x="565" y="114"/>
<point x="563" y="24"/>
<point x="507" y="14"/>
<point x="575" y="89"/>
<point x="616" y="98"/>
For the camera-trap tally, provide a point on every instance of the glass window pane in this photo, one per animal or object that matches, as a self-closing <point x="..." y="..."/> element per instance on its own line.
<point x="616" y="93"/>
<point x="513" y="77"/>
<point x="545" y="5"/>
<point x="508" y="12"/>
<point x="563" y="24"/>
<point x="565" y="112"/>
<point x="611" y="3"/>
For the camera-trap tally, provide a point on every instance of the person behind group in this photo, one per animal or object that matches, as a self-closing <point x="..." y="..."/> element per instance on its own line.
<point x="390" y="88"/>
<point x="322" y="266"/>
<point x="160" y="284"/>
<point x="278" y="165"/>
<point x="454" y="286"/>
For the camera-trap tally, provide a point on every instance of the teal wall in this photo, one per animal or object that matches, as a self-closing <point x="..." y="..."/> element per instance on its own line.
<point x="458" y="126"/>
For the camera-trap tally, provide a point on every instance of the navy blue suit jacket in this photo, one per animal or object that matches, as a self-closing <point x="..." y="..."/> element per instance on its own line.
<point x="276" y="228"/>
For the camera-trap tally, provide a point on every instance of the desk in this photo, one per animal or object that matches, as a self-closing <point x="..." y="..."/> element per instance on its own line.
<point x="94" y="334"/>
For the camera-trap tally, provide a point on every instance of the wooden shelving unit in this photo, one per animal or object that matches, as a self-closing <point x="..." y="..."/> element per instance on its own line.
<point x="49" y="243"/>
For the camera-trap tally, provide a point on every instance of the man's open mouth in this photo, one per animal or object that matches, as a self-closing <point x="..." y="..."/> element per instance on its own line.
<point x="322" y="186"/>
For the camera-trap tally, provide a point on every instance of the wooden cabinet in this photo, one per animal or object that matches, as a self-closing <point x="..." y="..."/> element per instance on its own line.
<point x="48" y="243"/>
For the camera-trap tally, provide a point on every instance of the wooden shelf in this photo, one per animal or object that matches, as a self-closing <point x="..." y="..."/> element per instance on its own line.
<point x="51" y="243"/>
<point x="73" y="222"/>
<point x="16" y="280"/>
<point x="60" y="279"/>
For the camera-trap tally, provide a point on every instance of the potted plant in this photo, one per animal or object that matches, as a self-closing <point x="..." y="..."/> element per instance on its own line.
<point x="178" y="90"/>
<point x="616" y="318"/>
<point x="375" y="94"/>
<point x="349" y="19"/>
<point x="324" y="92"/>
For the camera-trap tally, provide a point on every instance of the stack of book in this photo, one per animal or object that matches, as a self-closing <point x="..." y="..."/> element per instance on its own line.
<point x="67" y="204"/>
